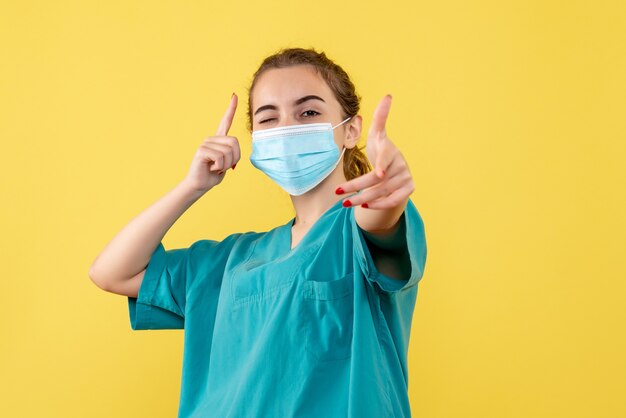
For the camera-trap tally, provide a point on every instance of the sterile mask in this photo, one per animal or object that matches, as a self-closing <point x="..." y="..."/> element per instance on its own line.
<point x="296" y="157"/>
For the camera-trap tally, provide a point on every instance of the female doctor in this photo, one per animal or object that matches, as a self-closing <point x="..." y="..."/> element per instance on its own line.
<point x="311" y="318"/>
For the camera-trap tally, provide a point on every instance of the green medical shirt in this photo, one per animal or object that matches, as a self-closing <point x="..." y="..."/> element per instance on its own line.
<point x="316" y="331"/>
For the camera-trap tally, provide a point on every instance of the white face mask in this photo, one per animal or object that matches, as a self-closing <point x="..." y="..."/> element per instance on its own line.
<point x="296" y="157"/>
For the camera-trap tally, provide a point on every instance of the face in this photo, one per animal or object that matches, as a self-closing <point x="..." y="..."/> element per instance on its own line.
<point x="298" y="95"/>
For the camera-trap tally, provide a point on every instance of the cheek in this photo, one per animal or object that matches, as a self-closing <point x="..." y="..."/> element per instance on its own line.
<point x="339" y="139"/>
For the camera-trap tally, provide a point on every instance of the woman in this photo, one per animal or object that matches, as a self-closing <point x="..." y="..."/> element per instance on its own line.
<point x="311" y="318"/>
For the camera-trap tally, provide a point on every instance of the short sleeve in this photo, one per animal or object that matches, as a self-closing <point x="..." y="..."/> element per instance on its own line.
<point x="170" y="276"/>
<point x="414" y="238"/>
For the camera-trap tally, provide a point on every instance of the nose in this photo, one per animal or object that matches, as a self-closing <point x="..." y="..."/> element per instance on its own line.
<point x="286" y="120"/>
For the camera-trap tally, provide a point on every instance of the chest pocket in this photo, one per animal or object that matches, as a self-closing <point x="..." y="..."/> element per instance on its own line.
<point x="259" y="279"/>
<point x="328" y="315"/>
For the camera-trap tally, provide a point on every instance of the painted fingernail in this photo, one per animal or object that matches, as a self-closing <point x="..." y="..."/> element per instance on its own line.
<point x="235" y="165"/>
<point x="339" y="190"/>
<point x="347" y="203"/>
<point x="365" y="205"/>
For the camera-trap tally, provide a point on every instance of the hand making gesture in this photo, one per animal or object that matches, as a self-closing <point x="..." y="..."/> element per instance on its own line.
<point x="216" y="154"/>
<point x="390" y="183"/>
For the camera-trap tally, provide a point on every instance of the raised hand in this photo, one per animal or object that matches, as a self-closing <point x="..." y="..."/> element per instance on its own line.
<point x="216" y="154"/>
<point x="390" y="183"/>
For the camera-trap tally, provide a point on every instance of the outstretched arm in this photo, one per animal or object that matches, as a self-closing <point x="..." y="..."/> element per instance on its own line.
<point x="384" y="195"/>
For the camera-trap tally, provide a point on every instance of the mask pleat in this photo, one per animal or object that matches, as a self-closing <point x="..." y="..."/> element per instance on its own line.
<point x="296" y="157"/>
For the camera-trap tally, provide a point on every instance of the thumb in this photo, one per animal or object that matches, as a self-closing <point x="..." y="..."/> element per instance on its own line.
<point x="379" y="119"/>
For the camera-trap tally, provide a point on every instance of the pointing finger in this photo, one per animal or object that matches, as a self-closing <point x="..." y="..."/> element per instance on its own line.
<point x="227" y="119"/>
<point x="384" y="156"/>
<point x="380" y="117"/>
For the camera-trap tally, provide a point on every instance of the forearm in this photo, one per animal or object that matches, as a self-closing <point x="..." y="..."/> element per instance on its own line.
<point x="389" y="250"/>
<point x="392" y="239"/>
<point x="388" y="246"/>
<point x="384" y="228"/>
<point x="129" y="252"/>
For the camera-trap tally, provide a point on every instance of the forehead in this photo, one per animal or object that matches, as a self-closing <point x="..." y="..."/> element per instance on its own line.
<point x="285" y="85"/>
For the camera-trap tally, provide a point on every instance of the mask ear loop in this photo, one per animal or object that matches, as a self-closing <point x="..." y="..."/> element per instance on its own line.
<point x="340" y="160"/>
<point x="341" y="123"/>
<point x="343" y="146"/>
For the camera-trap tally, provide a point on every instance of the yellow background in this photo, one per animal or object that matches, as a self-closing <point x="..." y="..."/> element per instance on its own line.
<point x="511" y="115"/>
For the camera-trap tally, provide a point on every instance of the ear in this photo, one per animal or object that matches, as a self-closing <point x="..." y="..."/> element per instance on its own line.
<point x="353" y="131"/>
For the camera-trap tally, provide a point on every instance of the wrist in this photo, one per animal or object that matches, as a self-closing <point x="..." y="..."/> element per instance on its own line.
<point x="393" y="239"/>
<point x="190" y="190"/>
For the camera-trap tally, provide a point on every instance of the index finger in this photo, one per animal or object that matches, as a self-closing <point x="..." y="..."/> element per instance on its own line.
<point x="227" y="119"/>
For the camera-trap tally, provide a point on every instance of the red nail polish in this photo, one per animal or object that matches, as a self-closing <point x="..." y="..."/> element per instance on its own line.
<point x="234" y="166"/>
<point x="339" y="191"/>
<point x="365" y="205"/>
<point x="347" y="203"/>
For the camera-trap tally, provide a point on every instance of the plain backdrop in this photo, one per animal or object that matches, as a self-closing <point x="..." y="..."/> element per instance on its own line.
<point x="510" y="114"/>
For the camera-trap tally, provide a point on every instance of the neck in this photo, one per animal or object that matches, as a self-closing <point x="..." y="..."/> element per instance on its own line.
<point x="312" y="204"/>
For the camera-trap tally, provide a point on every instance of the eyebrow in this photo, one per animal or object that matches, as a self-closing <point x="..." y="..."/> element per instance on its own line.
<point x="297" y="102"/>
